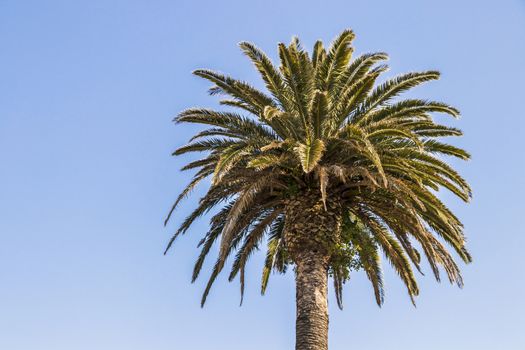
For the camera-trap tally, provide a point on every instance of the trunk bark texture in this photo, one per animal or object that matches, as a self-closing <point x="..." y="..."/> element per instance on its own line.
<point x="311" y="328"/>
<point x="312" y="232"/>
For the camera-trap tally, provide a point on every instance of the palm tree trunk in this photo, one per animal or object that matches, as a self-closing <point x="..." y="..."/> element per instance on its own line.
<point x="311" y="278"/>
<point x="312" y="232"/>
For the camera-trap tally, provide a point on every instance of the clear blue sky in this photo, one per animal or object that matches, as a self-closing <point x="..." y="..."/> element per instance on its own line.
<point x="87" y="93"/>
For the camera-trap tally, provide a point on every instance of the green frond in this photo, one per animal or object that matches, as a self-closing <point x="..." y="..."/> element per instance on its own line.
<point x="270" y="74"/>
<point x="395" y="254"/>
<point x="338" y="286"/>
<point x="390" y="89"/>
<point x="336" y="60"/>
<point x="318" y="54"/>
<point x="433" y="130"/>
<point x="351" y="98"/>
<point x="310" y="154"/>
<point x="264" y="161"/>
<point x="318" y="112"/>
<point x="206" y="204"/>
<point x="284" y="124"/>
<point x="291" y="70"/>
<point x="354" y="132"/>
<point x="369" y="258"/>
<point x="242" y="202"/>
<point x="234" y="123"/>
<point x="381" y="134"/>
<point x="201" y="175"/>
<point x="434" y="146"/>
<point x="249" y="246"/>
<point x="217" y="225"/>
<point x="406" y="110"/>
<point x="240" y="90"/>
<point x="274" y="254"/>
<point x="204" y="145"/>
<point x="229" y="157"/>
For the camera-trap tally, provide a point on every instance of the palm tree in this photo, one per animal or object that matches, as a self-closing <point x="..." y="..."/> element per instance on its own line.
<point x="328" y="170"/>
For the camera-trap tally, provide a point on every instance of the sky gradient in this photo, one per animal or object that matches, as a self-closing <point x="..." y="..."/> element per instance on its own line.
<point x="87" y="93"/>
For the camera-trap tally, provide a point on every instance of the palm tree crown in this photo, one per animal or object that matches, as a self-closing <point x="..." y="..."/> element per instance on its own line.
<point x="326" y="132"/>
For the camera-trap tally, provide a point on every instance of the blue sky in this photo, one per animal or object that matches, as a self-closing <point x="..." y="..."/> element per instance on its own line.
<point x="87" y="93"/>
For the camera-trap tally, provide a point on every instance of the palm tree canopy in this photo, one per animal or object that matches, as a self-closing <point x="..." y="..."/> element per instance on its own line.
<point x="326" y="125"/>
